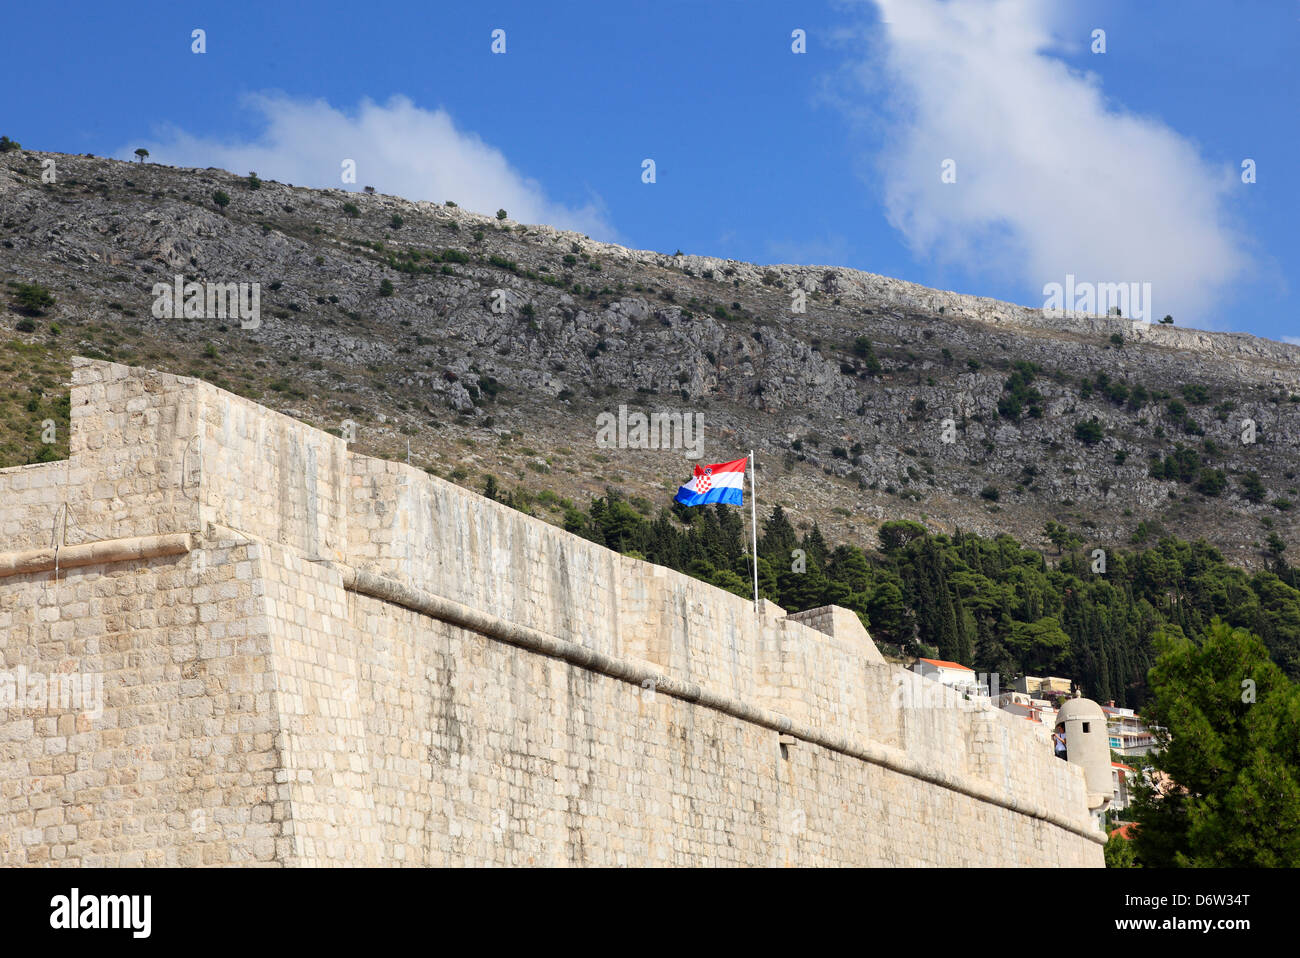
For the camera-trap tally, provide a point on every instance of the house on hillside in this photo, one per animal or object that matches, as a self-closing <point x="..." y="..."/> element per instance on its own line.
<point x="1038" y="711"/>
<point x="1042" y="686"/>
<point x="1129" y="735"/>
<point x="949" y="673"/>
<point x="1122" y="778"/>
<point x="958" y="677"/>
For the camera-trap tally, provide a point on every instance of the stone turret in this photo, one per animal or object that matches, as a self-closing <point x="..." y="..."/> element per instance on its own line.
<point x="1088" y="746"/>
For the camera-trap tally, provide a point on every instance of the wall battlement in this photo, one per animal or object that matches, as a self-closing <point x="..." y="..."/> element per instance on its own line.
<point x="313" y="657"/>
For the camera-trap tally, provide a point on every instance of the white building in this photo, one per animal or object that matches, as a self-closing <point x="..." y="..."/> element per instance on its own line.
<point x="1122" y="780"/>
<point x="952" y="674"/>
<point x="1127" y="733"/>
<point x="1039" y="711"/>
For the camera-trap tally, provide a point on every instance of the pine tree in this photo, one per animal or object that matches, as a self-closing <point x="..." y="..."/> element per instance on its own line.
<point x="1227" y="789"/>
<point x="815" y="545"/>
<point x="778" y="539"/>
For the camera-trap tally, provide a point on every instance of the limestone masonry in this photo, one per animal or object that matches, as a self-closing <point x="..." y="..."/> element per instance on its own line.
<point x="228" y="640"/>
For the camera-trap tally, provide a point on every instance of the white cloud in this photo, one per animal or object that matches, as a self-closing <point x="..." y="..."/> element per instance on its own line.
<point x="398" y="147"/>
<point x="1051" y="177"/>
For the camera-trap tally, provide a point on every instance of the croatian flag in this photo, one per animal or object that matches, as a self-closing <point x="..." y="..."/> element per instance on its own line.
<point x="722" y="482"/>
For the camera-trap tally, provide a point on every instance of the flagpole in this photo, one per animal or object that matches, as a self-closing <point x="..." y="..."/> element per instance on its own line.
<point x="753" y="506"/>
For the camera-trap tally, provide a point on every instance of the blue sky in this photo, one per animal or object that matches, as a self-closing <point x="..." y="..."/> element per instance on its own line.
<point x="1122" y="166"/>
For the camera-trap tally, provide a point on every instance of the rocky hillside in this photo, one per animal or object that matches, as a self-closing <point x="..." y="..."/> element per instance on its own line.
<point x="881" y="400"/>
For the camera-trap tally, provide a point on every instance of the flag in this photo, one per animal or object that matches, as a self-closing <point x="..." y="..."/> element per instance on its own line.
<point x="721" y="482"/>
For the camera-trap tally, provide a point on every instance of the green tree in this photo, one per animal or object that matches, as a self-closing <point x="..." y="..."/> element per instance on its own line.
<point x="1089" y="431"/>
<point x="620" y="524"/>
<point x="1019" y="391"/>
<point x="576" y="521"/>
<point x="767" y="583"/>
<point x="1278" y="619"/>
<point x="849" y="565"/>
<point x="897" y="533"/>
<point x="801" y="590"/>
<point x="1252" y="488"/>
<point x="1227" y="786"/>
<point x="862" y="347"/>
<point x="31" y="299"/>
<point x="1040" y="646"/>
<point x="814" y="543"/>
<point x="778" y="539"/>
<point x="1276" y="546"/>
<point x="888" y="613"/>
<point x="1061" y="537"/>
<point x="732" y="582"/>
<point x="1211" y="482"/>
<point x="1119" y="853"/>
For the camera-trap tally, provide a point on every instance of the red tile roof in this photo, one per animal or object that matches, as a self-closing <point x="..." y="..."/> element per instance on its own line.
<point x="948" y="665"/>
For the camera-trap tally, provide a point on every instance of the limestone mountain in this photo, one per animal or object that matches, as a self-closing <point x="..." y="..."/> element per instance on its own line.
<point x="492" y="347"/>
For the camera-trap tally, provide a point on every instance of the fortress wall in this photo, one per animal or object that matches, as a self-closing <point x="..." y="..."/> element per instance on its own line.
<point x="269" y="474"/>
<point x="255" y="683"/>
<point x="440" y="537"/>
<point x="484" y="754"/>
<point x="177" y="764"/>
<point x="715" y="640"/>
<point x="437" y="536"/>
<point x="129" y="474"/>
<point x="124" y="478"/>
<point x="857" y="690"/>
<point x="33" y="497"/>
<point x="324" y="774"/>
<point x="994" y="751"/>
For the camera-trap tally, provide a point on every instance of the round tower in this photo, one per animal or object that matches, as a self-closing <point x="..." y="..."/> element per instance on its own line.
<point x="1087" y="744"/>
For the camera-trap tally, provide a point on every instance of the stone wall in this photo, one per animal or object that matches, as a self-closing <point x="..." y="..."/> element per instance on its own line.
<point x="312" y="657"/>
